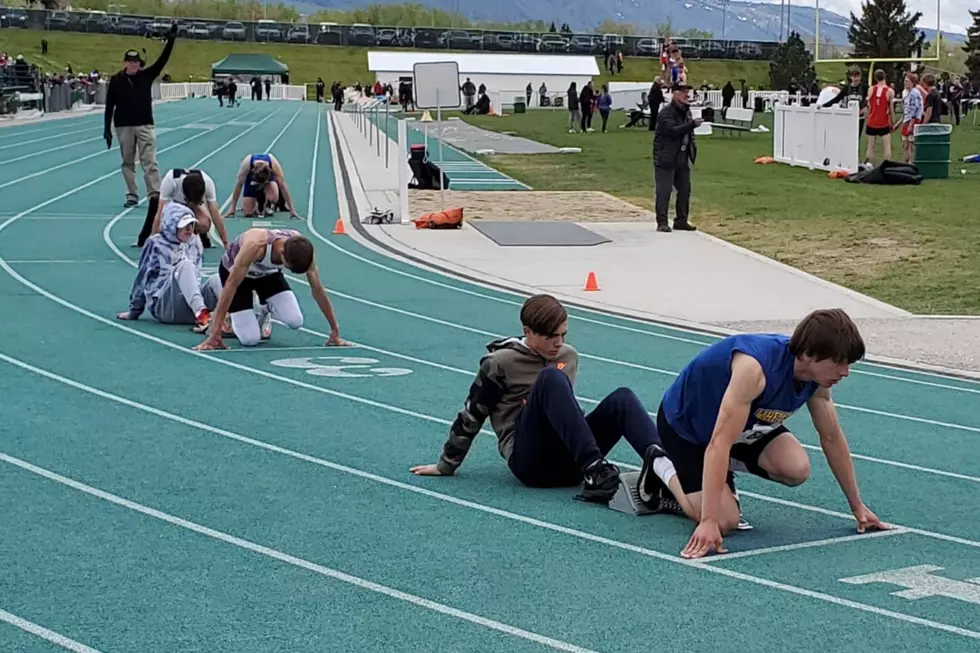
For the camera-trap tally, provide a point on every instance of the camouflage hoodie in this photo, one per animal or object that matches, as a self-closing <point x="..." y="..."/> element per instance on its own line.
<point x="499" y="392"/>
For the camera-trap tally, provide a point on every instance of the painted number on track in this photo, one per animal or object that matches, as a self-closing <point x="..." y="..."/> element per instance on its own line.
<point x="921" y="582"/>
<point x="341" y="366"/>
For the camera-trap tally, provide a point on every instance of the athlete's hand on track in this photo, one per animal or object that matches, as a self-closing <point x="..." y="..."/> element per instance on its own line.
<point x="707" y="536"/>
<point x="867" y="519"/>
<point x="426" y="470"/>
<point x="336" y="341"/>
<point x="123" y="316"/>
<point x="211" y="343"/>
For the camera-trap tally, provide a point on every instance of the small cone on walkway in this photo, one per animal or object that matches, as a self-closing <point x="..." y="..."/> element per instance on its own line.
<point x="591" y="283"/>
<point x="339" y="227"/>
<point x="426" y="117"/>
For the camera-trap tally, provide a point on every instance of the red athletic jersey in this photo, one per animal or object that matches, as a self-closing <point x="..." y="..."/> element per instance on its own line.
<point x="878" y="115"/>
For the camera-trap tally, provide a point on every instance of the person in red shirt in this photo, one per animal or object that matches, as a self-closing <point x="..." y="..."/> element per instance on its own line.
<point x="880" y="121"/>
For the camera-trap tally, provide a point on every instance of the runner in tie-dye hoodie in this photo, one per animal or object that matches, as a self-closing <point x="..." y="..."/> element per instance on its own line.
<point x="168" y="280"/>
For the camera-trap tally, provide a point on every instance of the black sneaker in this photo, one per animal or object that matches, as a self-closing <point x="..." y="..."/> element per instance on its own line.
<point x="684" y="226"/>
<point x="600" y="483"/>
<point x="648" y="485"/>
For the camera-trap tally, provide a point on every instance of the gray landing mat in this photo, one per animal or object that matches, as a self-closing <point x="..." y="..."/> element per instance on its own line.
<point x="538" y="234"/>
<point x="464" y="136"/>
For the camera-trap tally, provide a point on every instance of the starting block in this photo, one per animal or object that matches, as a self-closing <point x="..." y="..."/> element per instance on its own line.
<point x="627" y="500"/>
<point x="627" y="497"/>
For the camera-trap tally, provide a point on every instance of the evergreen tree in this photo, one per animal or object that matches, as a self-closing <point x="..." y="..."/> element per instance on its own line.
<point x="972" y="49"/>
<point x="552" y="29"/>
<point x="885" y="30"/>
<point x="791" y="61"/>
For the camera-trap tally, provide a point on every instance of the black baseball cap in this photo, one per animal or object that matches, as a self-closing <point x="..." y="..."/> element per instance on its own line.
<point x="132" y="55"/>
<point x="679" y="86"/>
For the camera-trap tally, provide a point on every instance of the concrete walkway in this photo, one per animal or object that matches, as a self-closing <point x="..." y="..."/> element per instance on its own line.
<point x="688" y="279"/>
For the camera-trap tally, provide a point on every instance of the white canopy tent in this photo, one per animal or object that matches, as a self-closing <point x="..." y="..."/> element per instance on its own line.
<point x="505" y="76"/>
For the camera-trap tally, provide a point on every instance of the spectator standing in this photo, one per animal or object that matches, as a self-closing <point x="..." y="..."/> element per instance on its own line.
<point x="129" y="106"/>
<point x="674" y="150"/>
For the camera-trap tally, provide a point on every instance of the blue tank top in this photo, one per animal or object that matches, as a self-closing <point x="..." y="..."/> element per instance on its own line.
<point x="691" y="403"/>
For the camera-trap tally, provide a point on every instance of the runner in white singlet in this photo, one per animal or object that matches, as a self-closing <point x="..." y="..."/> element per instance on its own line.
<point x="253" y="263"/>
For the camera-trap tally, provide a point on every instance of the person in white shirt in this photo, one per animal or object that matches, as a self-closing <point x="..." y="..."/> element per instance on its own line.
<point x="194" y="189"/>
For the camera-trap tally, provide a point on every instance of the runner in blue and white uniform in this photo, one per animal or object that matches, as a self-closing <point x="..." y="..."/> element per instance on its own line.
<point x="253" y="263"/>
<point x="726" y="410"/>
<point x="261" y="183"/>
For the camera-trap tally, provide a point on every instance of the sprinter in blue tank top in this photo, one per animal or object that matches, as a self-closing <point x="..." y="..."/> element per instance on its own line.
<point x="261" y="184"/>
<point x="726" y="411"/>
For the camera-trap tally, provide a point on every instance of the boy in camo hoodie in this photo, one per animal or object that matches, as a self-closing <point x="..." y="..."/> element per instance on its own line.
<point x="168" y="279"/>
<point x="525" y="388"/>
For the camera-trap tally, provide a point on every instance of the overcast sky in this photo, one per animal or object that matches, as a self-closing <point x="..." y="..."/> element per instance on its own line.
<point x="953" y="13"/>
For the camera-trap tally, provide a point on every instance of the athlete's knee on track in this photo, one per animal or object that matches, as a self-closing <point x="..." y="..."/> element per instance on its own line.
<point x="795" y="471"/>
<point x="293" y="321"/>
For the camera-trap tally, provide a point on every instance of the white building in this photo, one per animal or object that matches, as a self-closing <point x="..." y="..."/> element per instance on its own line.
<point x="506" y="76"/>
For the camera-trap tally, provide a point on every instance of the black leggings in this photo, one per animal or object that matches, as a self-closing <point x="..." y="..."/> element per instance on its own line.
<point x="555" y="441"/>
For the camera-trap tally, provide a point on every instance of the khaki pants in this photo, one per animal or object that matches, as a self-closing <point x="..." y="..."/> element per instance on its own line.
<point x="139" y="142"/>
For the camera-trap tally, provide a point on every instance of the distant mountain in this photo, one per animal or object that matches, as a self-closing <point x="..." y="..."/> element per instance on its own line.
<point x="743" y="21"/>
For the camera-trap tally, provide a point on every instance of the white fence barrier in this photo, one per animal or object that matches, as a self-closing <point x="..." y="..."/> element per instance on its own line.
<point x="823" y="139"/>
<point x="184" y="90"/>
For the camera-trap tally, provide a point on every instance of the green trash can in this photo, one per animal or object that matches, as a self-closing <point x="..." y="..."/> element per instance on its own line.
<point x="932" y="150"/>
<point x="520" y="104"/>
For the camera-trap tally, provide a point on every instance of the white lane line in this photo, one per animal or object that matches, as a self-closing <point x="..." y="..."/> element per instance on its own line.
<point x="45" y="633"/>
<point x="812" y="544"/>
<point x="295" y="561"/>
<point x="486" y="509"/>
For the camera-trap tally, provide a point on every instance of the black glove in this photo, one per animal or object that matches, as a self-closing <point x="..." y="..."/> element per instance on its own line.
<point x="108" y="139"/>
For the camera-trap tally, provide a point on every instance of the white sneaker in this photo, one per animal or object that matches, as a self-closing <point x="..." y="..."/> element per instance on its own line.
<point x="265" y="324"/>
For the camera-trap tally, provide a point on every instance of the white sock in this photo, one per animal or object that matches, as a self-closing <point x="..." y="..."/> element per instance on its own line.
<point x="664" y="469"/>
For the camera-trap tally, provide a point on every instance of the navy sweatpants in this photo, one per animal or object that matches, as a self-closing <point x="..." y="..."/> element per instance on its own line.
<point x="555" y="441"/>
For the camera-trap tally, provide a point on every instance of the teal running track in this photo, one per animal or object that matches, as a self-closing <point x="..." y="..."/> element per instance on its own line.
<point x="158" y="499"/>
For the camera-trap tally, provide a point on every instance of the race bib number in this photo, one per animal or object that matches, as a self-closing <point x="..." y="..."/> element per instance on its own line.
<point x="757" y="431"/>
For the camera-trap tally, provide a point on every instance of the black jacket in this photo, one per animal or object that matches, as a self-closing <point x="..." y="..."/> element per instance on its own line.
<point x="674" y="144"/>
<point x="129" y="98"/>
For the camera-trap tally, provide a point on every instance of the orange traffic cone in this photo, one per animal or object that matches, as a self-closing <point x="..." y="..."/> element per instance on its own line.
<point x="339" y="227"/>
<point x="591" y="283"/>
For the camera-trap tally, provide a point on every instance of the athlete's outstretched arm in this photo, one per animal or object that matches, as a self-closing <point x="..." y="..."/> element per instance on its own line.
<point x="252" y="250"/>
<point x="747" y="382"/>
<point x="240" y="178"/>
<point x="834" y="445"/>
<point x="484" y="394"/>
<point x="283" y="186"/>
<point x="323" y="301"/>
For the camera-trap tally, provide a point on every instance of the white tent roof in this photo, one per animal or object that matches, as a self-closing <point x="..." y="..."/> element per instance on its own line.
<point x="488" y="64"/>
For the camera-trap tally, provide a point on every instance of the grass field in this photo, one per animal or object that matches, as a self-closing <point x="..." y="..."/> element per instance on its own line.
<point x="192" y="59"/>
<point x="913" y="246"/>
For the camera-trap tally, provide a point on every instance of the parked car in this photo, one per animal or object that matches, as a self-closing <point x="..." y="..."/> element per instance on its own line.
<point x="198" y="31"/>
<point x="360" y="34"/>
<point x="299" y="33"/>
<point x="159" y="26"/>
<point x="233" y="31"/>
<point x="552" y="42"/>
<point x="267" y="30"/>
<point x="13" y="17"/>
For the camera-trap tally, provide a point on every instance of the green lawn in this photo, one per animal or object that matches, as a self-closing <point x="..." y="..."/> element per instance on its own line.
<point x="192" y="59"/>
<point x="917" y="247"/>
